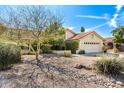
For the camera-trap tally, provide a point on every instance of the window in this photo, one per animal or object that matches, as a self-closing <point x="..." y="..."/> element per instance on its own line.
<point x="91" y="43"/>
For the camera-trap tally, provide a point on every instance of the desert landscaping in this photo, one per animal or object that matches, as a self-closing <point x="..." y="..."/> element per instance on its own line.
<point x="37" y="51"/>
<point x="57" y="71"/>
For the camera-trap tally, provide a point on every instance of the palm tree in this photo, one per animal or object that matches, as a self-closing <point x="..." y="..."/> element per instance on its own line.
<point x="118" y="34"/>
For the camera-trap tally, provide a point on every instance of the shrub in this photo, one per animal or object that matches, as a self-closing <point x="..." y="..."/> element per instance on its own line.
<point x="115" y="50"/>
<point x="55" y="43"/>
<point x="9" y="54"/>
<point x="46" y="48"/>
<point x="109" y="66"/>
<point x="67" y="54"/>
<point x="72" y="45"/>
<point x="81" y="52"/>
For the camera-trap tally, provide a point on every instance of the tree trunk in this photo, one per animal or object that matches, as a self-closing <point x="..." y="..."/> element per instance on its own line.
<point x="37" y="56"/>
<point x="29" y="46"/>
<point x="19" y="38"/>
<point x="38" y="51"/>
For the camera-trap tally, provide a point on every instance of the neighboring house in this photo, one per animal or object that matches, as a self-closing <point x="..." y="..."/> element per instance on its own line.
<point x="109" y="41"/>
<point x="90" y="42"/>
<point x="109" y="45"/>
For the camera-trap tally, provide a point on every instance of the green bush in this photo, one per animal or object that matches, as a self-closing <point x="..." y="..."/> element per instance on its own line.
<point x="67" y="54"/>
<point x="72" y="45"/>
<point x="81" y="52"/>
<point x="55" y="43"/>
<point x="9" y="54"/>
<point x="109" y="66"/>
<point x="46" y="48"/>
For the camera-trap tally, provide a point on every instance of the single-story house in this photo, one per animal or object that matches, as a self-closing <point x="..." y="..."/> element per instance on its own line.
<point x="109" y="42"/>
<point x="90" y="42"/>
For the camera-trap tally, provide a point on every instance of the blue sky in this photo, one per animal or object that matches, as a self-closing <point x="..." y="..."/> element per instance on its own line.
<point x="100" y="18"/>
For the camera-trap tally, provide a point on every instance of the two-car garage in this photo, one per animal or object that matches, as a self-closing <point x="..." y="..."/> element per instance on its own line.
<point x="91" y="43"/>
<point x="91" y="47"/>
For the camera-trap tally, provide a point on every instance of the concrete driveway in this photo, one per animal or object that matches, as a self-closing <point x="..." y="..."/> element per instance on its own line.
<point x="84" y="60"/>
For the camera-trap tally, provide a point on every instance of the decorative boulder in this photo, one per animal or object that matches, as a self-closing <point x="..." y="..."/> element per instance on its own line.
<point x="79" y="66"/>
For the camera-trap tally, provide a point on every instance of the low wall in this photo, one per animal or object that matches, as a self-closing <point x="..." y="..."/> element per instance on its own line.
<point x="121" y="55"/>
<point x="61" y="52"/>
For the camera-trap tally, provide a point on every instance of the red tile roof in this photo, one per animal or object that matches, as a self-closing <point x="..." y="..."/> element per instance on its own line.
<point x="81" y="35"/>
<point x="109" y="39"/>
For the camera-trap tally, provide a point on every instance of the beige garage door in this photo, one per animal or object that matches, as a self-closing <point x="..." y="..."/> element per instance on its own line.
<point x="91" y="47"/>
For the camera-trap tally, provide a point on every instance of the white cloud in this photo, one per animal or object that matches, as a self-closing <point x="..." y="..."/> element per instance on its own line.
<point x="118" y="7"/>
<point x="115" y="15"/>
<point x="105" y="16"/>
<point x="97" y="26"/>
<point x="71" y="28"/>
<point x="113" y="21"/>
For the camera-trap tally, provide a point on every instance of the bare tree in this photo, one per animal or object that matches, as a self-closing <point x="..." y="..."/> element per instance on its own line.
<point x="16" y="23"/>
<point x="12" y="20"/>
<point x="31" y="18"/>
<point x="36" y="19"/>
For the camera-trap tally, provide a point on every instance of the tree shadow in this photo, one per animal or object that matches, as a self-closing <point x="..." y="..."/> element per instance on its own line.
<point x="119" y="77"/>
<point x="48" y="55"/>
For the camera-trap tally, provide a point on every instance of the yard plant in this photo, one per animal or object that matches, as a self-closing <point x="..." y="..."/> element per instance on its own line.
<point x="118" y="34"/>
<point x="67" y="53"/>
<point x="109" y="66"/>
<point x="72" y="45"/>
<point x="46" y="48"/>
<point x="9" y="55"/>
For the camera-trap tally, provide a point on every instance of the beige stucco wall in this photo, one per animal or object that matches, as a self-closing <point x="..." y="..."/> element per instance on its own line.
<point x="93" y="38"/>
<point x="68" y="35"/>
